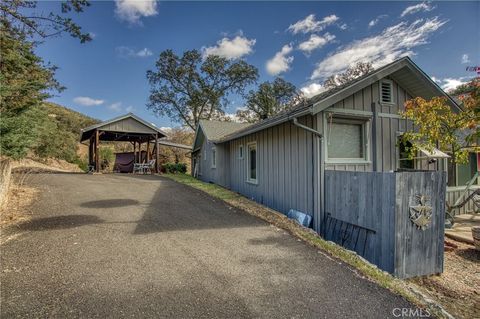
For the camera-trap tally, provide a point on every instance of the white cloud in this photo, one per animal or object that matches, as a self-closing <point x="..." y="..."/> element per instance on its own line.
<point x="312" y="89"/>
<point x="87" y="101"/>
<point x="165" y="129"/>
<point x="281" y="61"/>
<point x="315" y="42"/>
<point x="448" y="84"/>
<point x="424" y="6"/>
<point x="127" y="52"/>
<point x="133" y="10"/>
<point x="436" y="80"/>
<point x="234" y="48"/>
<point x="465" y="59"/>
<point x="343" y="26"/>
<point x="310" y="24"/>
<point x="375" y="21"/>
<point x="394" y="42"/>
<point x="372" y="22"/>
<point x="117" y="107"/>
<point x="144" y="53"/>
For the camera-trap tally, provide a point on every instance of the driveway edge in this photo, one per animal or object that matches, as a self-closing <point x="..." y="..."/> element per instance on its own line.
<point x="356" y="263"/>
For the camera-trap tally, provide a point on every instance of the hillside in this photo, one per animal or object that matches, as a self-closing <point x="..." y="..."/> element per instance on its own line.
<point x="68" y="120"/>
<point x="47" y="131"/>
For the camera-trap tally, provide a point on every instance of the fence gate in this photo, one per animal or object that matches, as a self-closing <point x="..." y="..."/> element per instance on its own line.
<point x="395" y="220"/>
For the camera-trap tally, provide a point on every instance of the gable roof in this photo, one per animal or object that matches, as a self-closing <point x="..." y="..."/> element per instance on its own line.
<point x="215" y="130"/>
<point x="404" y="71"/>
<point x="106" y="125"/>
<point x="173" y="144"/>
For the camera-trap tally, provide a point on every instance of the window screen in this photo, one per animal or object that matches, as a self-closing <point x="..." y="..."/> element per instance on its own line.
<point x="346" y="141"/>
<point x="214" y="158"/>
<point x="252" y="162"/>
<point x="240" y="152"/>
<point x="404" y="148"/>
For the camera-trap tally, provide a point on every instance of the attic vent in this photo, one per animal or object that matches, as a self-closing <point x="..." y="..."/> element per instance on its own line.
<point x="386" y="94"/>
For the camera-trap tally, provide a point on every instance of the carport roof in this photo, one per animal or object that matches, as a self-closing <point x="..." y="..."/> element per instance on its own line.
<point x="123" y="128"/>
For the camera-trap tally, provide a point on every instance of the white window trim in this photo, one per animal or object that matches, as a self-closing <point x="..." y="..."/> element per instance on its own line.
<point x="214" y="157"/>
<point x="366" y="142"/>
<point x="250" y="180"/>
<point x="390" y="82"/>
<point x="241" y="154"/>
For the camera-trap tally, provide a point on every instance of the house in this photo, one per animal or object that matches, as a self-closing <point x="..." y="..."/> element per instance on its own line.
<point x="281" y="161"/>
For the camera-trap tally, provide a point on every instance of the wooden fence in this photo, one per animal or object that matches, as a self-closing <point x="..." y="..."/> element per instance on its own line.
<point x="393" y="219"/>
<point x="453" y="193"/>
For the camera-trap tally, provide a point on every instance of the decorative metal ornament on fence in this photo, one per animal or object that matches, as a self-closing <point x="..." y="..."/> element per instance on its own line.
<point x="421" y="214"/>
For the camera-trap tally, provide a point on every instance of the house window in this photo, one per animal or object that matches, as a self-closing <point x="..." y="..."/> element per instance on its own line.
<point x="404" y="149"/>
<point x="252" y="162"/>
<point x="240" y="152"/>
<point x="205" y="153"/>
<point x="347" y="140"/>
<point x="386" y="91"/>
<point x="214" y="158"/>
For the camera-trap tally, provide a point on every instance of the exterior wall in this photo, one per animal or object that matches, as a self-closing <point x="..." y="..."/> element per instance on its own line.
<point x="291" y="161"/>
<point x="128" y="125"/>
<point x="285" y="167"/>
<point x="218" y="174"/>
<point x="389" y="126"/>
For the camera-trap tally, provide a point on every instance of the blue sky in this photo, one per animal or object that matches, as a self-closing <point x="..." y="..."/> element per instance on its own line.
<point x="303" y="42"/>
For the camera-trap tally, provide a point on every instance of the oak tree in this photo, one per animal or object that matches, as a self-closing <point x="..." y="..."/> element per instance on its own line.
<point x="269" y="99"/>
<point x="359" y="69"/>
<point x="190" y="87"/>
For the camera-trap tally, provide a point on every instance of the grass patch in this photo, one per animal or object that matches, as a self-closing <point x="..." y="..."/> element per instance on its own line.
<point x="363" y="267"/>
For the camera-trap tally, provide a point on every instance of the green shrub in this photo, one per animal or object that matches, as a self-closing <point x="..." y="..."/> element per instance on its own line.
<point x="174" y="168"/>
<point x="82" y="163"/>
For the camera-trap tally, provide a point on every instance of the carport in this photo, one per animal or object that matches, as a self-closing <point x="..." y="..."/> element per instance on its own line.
<point x="125" y="128"/>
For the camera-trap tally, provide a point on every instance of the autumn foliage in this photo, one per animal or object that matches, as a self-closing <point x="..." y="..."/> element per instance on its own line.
<point x="438" y="125"/>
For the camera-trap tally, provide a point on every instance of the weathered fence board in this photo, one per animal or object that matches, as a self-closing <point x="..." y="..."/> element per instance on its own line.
<point x="369" y="213"/>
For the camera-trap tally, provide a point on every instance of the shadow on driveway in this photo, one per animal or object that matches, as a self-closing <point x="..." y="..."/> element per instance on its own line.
<point x="176" y="207"/>
<point x="60" y="222"/>
<point x="110" y="203"/>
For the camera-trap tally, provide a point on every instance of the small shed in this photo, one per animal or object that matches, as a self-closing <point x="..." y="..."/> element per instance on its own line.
<point x="125" y="128"/>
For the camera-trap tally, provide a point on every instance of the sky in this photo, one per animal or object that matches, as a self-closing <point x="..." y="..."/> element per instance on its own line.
<point x="302" y="42"/>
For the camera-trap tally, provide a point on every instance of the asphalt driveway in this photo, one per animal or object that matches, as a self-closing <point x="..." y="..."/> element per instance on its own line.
<point x="145" y="246"/>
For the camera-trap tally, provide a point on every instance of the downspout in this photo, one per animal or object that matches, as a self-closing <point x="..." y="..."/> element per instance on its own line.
<point x="311" y="130"/>
<point x="374" y="137"/>
<point x="318" y="223"/>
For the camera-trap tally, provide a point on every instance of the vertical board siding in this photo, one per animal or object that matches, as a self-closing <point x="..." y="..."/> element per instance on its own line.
<point x="453" y="193"/>
<point x="388" y="128"/>
<point x="360" y="199"/>
<point x="284" y="167"/>
<point x="369" y="212"/>
<point x="419" y="252"/>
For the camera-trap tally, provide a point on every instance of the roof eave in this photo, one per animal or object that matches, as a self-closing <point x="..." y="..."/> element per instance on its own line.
<point x="280" y="120"/>
<point x="355" y="86"/>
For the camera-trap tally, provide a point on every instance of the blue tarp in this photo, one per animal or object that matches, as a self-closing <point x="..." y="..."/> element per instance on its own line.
<point x="302" y="218"/>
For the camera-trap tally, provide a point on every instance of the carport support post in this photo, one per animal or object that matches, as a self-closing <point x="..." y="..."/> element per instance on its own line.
<point x="90" y="151"/>
<point x="148" y="151"/>
<point x="97" y="159"/>
<point x="156" y="154"/>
